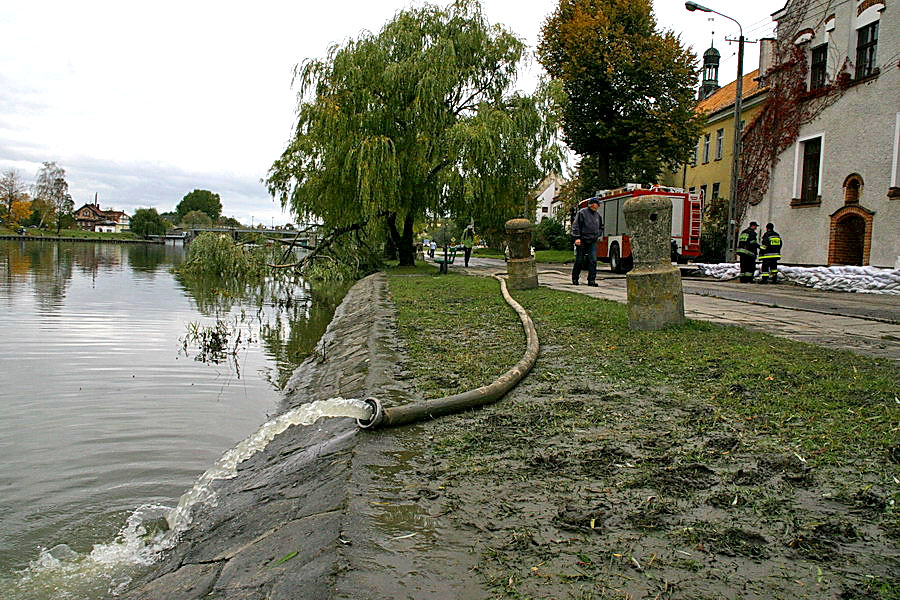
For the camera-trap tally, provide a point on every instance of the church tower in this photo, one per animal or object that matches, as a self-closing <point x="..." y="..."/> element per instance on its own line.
<point x="710" y="73"/>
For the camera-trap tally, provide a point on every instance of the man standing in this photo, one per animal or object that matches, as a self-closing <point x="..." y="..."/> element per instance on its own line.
<point x="586" y="228"/>
<point x="747" y="246"/>
<point x="468" y="240"/>
<point x="769" y="253"/>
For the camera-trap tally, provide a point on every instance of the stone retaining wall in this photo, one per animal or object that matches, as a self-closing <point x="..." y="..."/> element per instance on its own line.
<point x="293" y="497"/>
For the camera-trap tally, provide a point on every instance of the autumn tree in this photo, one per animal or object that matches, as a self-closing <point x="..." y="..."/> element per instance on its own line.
<point x="52" y="192"/>
<point x="146" y="221"/>
<point x="629" y="106"/>
<point x="12" y="190"/>
<point x="21" y="210"/>
<point x="203" y="200"/>
<point x="418" y="120"/>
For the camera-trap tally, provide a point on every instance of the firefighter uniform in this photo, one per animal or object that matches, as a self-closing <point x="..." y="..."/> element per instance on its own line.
<point x="769" y="253"/>
<point x="746" y="251"/>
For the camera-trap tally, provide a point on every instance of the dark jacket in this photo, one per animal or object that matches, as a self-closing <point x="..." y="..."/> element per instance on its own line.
<point x="770" y="245"/>
<point x="587" y="225"/>
<point x="747" y="242"/>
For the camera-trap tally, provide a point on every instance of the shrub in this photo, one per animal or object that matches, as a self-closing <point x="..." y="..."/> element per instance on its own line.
<point x="216" y="254"/>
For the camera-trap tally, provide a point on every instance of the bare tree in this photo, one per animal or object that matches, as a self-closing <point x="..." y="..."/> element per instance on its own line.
<point x="52" y="192"/>
<point x="12" y="189"/>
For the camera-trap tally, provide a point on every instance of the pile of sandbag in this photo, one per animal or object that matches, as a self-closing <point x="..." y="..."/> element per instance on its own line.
<point x="863" y="280"/>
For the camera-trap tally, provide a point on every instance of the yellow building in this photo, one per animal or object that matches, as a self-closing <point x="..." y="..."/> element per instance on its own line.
<point x="709" y="172"/>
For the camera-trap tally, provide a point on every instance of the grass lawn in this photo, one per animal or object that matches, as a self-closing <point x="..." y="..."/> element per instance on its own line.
<point x="715" y="457"/>
<point x="554" y="256"/>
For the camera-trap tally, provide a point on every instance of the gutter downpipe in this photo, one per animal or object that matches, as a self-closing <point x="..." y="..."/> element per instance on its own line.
<point x="430" y="409"/>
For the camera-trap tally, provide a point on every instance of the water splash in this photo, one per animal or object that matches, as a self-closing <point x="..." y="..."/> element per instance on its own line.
<point x="61" y="573"/>
<point x="226" y="467"/>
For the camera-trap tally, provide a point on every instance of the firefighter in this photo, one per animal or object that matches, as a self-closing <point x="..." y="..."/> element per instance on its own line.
<point x="747" y="246"/>
<point x="769" y="253"/>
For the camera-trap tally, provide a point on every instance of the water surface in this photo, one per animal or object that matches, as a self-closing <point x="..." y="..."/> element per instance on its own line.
<point x="104" y="407"/>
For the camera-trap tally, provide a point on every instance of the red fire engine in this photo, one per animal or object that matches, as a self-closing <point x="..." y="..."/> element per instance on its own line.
<point x="615" y="245"/>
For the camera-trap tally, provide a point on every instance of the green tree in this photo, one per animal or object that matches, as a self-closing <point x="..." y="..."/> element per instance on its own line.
<point x="229" y="222"/>
<point x="196" y="218"/>
<point x="202" y="200"/>
<point x="146" y="221"/>
<point x="413" y="122"/>
<point x="52" y="192"/>
<point x="629" y="87"/>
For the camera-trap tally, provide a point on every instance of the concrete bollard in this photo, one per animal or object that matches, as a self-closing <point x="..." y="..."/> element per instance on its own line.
<point x="655" y="295"/>
<point x="520" y="268"/>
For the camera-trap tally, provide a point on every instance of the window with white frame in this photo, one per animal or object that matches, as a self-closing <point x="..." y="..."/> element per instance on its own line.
<point x="818" y="67"/>
<point x="706" y="148"/>
<point x="811" y="153"/>
<point x="866" y="50"/>
<point x="720" y="141"/>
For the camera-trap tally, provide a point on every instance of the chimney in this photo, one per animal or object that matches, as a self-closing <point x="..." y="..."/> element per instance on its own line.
<point x="766" y="58"/>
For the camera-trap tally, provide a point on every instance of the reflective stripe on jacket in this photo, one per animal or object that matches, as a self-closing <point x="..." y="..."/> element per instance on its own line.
<point x="770" y="245"/>
<point x="747" y="242"/>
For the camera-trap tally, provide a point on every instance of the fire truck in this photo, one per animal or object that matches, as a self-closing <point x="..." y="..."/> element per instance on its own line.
<point x="614" y="246"/>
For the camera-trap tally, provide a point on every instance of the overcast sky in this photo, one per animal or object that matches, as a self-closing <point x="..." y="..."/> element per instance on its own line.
<point x="142" y="103"/>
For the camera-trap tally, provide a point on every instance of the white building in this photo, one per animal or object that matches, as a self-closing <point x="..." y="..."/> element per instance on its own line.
<point x="546" y="198"/>
<point x="834" y="194"/>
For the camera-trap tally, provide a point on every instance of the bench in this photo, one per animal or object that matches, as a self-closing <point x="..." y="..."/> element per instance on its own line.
<point x="447" y="259"/>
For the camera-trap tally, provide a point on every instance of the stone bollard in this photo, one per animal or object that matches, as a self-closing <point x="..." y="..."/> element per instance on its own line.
<point x="520" y="268"/>
<point x="655" y="296"/>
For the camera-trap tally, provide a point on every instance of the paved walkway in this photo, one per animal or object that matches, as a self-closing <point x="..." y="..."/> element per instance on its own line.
<point x="864" y="323"/>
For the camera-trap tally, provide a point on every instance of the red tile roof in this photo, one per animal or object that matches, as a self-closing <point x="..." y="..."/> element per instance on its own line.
<point x="724" y="96"/>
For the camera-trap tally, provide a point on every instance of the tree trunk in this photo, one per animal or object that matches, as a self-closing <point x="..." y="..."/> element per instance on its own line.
<point x="603" y="171"/>
<point x="406" y="249"/>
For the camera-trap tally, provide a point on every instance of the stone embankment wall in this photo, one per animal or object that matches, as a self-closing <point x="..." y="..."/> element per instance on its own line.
<point x="282" y="528"/>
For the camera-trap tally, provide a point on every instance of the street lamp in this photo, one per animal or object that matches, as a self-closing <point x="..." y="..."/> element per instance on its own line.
<point x="736" y="153"/>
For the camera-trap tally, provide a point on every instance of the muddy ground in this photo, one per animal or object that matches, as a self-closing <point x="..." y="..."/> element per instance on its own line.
<point x="580" y="489"/>
<point x="579" y="486"/>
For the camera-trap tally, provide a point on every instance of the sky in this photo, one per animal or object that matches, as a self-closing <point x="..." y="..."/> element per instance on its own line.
<point x="141" y="104"/>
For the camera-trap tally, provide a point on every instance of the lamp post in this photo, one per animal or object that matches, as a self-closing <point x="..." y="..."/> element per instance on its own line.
<point x="736" y="152"/>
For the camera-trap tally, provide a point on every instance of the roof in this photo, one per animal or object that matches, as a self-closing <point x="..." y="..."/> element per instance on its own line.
<point x="724" y="96"/>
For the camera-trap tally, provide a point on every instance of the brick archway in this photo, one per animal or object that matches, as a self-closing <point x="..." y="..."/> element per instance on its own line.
<point x="850" y="239"/>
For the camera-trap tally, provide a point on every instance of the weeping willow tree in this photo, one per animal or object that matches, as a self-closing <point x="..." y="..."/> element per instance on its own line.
<point x="419" y="119"/>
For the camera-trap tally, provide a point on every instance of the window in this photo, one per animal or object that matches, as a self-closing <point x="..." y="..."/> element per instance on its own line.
<point x="809" y="183"/>
<point x="706" y="148"/>
<point x="817" y="72"/>
<point x="544" y="209"/>
<point x="703" y="192"/>
<point x="720" y="139"/>
<point x="866" y="45"/>
<point x="715" y="192"/>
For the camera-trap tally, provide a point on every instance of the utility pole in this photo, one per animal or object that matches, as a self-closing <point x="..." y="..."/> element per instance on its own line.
<point x="736" y="152"/>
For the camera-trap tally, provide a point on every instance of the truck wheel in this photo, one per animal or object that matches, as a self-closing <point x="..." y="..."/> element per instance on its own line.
<point x="615" y="260"/>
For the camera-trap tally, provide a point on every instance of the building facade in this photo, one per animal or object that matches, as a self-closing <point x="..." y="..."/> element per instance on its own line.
<point x="834" y="193"/>
<point x="91" y="218"/>
<point x="546" y="198"/>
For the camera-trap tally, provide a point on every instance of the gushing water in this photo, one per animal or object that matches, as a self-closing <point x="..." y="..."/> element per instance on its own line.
<point x="61" y="573"/>
<point x="226" y="467"/>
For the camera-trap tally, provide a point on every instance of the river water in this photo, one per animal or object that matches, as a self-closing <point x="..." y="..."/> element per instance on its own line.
<point x="119" y="386"/>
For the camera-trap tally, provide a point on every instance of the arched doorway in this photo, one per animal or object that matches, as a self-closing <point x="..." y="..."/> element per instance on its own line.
<point x="851" y="234"/>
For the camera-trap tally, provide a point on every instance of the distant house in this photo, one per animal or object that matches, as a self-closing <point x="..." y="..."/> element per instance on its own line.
<point x="91" y="218"/>
<point x="546" y="198"/>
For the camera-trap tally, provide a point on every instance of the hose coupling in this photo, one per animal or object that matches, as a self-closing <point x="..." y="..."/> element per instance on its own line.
<point x="377" y="417"/>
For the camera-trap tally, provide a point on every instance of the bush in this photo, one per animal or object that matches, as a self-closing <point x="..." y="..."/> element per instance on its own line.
<point x="216" y="254"/>
<point x="712" y="236"/>
<point x="549" y="234"/>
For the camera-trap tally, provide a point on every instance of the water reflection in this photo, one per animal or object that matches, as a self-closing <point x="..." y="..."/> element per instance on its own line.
<point x="286" y="313"/>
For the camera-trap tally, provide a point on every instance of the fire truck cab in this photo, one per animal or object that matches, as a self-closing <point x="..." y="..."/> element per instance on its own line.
<point x="614" y="246"/>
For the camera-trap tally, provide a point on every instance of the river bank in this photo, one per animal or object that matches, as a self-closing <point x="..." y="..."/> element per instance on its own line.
<point x="640" y="464"/>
